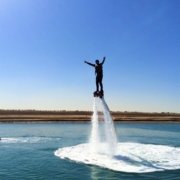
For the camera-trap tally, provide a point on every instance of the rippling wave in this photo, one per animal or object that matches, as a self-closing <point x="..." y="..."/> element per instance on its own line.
<point x="25" y="139"/>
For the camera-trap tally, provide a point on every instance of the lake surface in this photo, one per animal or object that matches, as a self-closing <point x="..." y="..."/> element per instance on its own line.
<point x="35" y="151"/>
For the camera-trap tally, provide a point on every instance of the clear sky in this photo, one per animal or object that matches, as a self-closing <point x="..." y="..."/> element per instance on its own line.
<point x="43" y="45"/>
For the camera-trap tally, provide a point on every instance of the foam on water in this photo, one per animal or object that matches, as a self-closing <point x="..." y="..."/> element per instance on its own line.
<point x="24" y="139"/>
<point x="129" y="157"/>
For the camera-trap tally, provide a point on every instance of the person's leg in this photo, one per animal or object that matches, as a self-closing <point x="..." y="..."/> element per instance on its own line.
<point x="100" y="82"/>
<point x="97" y="83"/>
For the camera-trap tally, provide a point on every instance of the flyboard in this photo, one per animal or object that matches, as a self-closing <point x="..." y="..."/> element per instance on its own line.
<point x="99" y="94"/>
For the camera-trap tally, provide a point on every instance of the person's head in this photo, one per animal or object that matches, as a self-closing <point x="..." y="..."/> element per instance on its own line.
<point x="97" y="61"/>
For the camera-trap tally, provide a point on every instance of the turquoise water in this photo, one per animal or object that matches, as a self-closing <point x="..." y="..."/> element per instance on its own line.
<point x="27" y="151"/>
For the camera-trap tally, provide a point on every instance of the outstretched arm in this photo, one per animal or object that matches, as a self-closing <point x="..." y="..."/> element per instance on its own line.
<point x="103" y="60"/>
<point x="89" y="63"/>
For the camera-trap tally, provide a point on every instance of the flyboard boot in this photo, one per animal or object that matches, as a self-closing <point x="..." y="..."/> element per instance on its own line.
<point x="99" y="93"/>
<point x="96" y="93"/>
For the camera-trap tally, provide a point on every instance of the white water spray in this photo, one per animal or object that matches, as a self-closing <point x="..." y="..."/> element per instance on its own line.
<point x="110" y="131"/>
<point x="94" y="139"/>
<point x="124" y="157"/>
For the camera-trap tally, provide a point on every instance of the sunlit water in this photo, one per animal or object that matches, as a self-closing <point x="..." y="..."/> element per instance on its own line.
<point x="61" y="151"/>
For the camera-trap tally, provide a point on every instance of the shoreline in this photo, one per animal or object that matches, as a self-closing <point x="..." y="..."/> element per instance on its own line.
<point x="34" y="116"/>
<point x="85" y="121"/>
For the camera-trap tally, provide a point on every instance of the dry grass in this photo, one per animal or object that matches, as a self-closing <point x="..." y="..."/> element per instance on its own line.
<point x="33" y="116"/>
<point x="25" y="118"/>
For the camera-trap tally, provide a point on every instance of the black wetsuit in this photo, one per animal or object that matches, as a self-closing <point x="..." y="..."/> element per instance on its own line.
<point x="99" y="74"/>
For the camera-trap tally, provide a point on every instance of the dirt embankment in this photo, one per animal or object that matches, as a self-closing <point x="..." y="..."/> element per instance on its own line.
<point x="8" y="116"/>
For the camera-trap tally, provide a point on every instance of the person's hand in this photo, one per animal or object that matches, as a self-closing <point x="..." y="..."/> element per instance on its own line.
<point x="85" y="61"/>
<point x="104" y="57"/>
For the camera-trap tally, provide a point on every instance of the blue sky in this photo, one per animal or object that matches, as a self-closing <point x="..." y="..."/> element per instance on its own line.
<point x="43" y="45"/>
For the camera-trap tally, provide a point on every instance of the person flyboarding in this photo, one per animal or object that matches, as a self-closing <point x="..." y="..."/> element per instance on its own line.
<point x="99" y="76"/>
